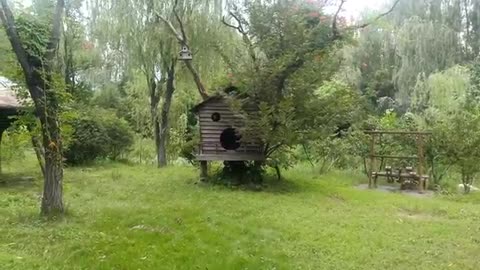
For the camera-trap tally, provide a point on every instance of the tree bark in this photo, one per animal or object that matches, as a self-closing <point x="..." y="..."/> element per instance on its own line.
<point x="197" y="80"/>
<point x="165" y="121"/>
<point x="52" y="201"/>
<point x="39" y="78"/>
<point x="39" y="152"/>
<point x="154" y="89"/>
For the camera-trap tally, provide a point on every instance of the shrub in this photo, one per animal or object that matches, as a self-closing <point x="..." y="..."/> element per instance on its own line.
<point x="98" y="134"/>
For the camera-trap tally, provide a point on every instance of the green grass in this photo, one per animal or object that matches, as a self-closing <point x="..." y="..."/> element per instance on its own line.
<point x="134" y="217"/>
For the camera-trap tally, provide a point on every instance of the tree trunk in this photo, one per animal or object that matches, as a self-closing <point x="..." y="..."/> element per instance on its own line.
<point x="38" y="72"/>
<point x="165" y="121"/>
<point x="52" y="201"/>
<point x="156" y="130"/>
<point x="47" y="111"/>
<point x="154" y="89"/>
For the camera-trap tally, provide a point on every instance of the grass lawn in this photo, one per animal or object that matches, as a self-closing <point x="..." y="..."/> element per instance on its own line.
<point x="134" y="217"/>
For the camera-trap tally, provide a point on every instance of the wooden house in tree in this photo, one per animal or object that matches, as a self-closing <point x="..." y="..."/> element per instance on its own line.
<point x="222" y="132"/>
<point x="9" y="107"/>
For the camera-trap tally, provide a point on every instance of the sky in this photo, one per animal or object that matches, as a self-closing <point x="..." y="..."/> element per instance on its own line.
<point x="353" y="8"/>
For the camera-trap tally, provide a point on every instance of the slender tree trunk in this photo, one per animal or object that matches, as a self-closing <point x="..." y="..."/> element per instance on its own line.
<point x="165" y="121"/>
<point x="156" y="130"/>
<point x="154" y="89"/>
<point x="37" y="147"/>
<point x="38" y="72"/>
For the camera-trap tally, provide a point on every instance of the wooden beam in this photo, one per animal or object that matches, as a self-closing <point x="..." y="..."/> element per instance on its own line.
<point x="372" y="161"/>
<point x="230" y="157"/>
<point x="421" y="161"/>
<point x="203" y="171"/>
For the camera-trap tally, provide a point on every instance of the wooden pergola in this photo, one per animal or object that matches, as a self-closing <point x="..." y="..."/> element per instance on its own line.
<point x="419" y="175"/>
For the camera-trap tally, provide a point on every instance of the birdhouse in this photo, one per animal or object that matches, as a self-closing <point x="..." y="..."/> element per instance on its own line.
<point x="223" y="135"/>
<point x="185" y="54"/>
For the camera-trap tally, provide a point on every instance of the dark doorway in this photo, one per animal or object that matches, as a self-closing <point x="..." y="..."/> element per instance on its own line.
<point x="230" y="139"/>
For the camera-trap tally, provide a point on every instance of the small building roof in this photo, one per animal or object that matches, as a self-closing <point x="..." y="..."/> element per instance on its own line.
<point x="197" y="108"/>
<point x="8" y="98"/>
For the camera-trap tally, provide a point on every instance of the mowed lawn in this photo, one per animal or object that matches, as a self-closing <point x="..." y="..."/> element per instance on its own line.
<point x="136" y="217"/>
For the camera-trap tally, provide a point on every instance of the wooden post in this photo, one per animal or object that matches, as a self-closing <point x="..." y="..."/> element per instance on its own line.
<point x="372" y="163"/>
<point x="203" y="171"/>
<point x="421" y="162"/>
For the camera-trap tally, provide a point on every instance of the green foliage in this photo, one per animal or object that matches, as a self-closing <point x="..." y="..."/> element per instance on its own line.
<point x="290" y="77"/>
<point x="457" y="139"/>
<point x="14" y="143"/>
<point x="35" y="34"/>
<point x="443" y="91"/>
<point x="98" y="134"/>
<point x="445" y="103"/>
<point x="143" y="151"/>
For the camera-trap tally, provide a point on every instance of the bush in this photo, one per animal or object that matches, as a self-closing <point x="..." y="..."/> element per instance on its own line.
<point x="98" y="134"/>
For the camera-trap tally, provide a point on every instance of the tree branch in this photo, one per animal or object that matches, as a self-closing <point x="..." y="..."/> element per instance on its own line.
<point x="246" y="39"/>
<point x="182" y="39"/>
<point x="224" y="21"/>
<point x="171" y="28"/>
<point x="239" y="28"/>
<point x="361" y="26"/>
<point x="8" y="22"/>
<point x="196" y="78"/>
<point x="271" y="150"/>
<point x="56" y="31"/>
<point x="180" y="23"/>
<point x="335" y="31"/>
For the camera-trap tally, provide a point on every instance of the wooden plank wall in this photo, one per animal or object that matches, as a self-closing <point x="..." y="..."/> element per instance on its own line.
<point x="211" y="131"/>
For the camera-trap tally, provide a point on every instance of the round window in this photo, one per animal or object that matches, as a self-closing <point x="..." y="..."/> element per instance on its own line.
<point x="216" y="117"/>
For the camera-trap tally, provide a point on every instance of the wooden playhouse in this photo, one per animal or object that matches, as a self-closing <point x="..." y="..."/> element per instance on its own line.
<point x="222" y="133"/>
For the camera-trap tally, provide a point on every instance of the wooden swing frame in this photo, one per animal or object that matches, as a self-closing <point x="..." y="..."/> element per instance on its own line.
<point x="420" y="157"/>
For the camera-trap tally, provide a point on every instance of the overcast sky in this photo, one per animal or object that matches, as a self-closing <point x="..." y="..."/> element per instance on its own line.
<point x="353" y="8"/>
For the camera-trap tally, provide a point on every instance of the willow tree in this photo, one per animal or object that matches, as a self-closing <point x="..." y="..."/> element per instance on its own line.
<point x="146" y="45"/>
<point x="148" y="51"/>
<point x="423" y="47"/>
<point x="418" y="37"/>
<point x="37" y="63"/>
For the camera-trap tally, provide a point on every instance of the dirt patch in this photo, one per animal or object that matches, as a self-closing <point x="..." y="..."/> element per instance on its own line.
<point x="336" y="198"/>
<point x="416" y="216"/>
<point x="396" y="189"/>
